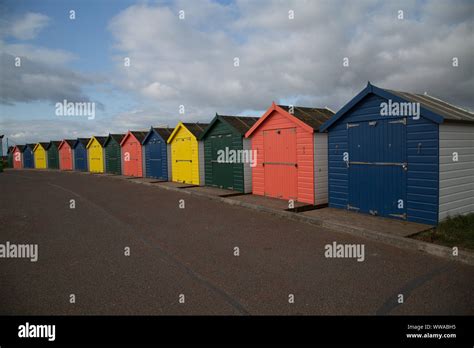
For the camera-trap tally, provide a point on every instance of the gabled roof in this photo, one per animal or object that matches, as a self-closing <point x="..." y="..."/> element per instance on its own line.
<point x="31" y="146"/>
<point x="313" y="117"/>
<point x="240" y="124"/>
<point x="164" y="133"/>
<point x="83" y="141"/>
<point x="448" y="111"/>
<point x="70" y="142"/>
<point x="431" y="108"/>
<point x="310" y="119"/>
<point x="100" y="140"/>
<point x="139" y="135"/>
<point x="53" y="142"/>
<point x="21" y="148"/>
<point x="117" y="137"/>
<point x="196" y="129"/>
<point x="10" y="149"/>
<point x="43" y="145"/>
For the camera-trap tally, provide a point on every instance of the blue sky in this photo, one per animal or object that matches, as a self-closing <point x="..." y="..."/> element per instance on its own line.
<point x="190" y="62"/>
<point x="86" y="38"/>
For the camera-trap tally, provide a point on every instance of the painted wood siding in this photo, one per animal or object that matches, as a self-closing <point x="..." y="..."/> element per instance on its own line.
<point x="338" y="174"/>
<point x="143" y="162"/>
<point x="17" y="159"/>
<point x="201" y="163"/>
<point x="95" y="155"/>
<point x="28" y="158"/>
<point x="247" y="169"/>
<point x="220" y="128"/>
<point x="80" y="157"/>
<point x="187" y="150"/>
<point x="168" y="159"/>
<point x="422" y="175"/>
<point x="53" y="157"/>
<point x="304" y="157"/>
<point x="258" y="177"/>
<point x="113" y="157"/>
<point x="238" y="168"/>
<point x="40" y="158"/>
<point x="320" y="168"/>
<point x="65" y="157"/>
<point x="208" y="179"/>
<point x="456" y="185"/>
<point x="151" y="155"/>
<point x="132" y="158"/>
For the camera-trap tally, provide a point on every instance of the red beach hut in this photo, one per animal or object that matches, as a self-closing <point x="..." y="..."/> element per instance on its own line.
<point x="291" y="154"/>
<point x="66" y="154"/>
<point x="18" y="156"/>
<point x="132" y="154"/>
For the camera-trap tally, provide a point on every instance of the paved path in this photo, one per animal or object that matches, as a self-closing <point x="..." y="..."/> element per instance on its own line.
<point x="190" y="251"/>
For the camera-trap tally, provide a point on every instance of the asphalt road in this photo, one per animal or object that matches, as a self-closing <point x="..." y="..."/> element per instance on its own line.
<point x="190" y="251"/>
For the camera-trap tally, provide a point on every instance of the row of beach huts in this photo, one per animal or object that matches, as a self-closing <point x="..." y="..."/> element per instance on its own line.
<point x="385" y="153"/>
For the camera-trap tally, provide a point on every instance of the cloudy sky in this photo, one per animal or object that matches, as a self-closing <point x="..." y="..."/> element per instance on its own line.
<point x="288" y="51"/>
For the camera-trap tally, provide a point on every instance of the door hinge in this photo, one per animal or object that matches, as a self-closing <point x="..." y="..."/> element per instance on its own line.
<point x="401" y="216"/>
<point x="372" y="123"/>
<point x="402" y="120"/>
<point x="350" y="207"/>
<point x="404" y="165"/>
<point x="282" y="163"/>
<point x="350" y="125"/>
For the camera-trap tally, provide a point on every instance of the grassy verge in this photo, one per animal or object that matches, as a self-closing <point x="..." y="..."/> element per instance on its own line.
<point x="456" y="231"/>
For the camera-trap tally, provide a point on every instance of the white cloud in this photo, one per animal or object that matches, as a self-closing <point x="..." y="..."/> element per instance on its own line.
<point x="38" y="81"/>
<point x="43" y="73"/>
<point x="159" y="91"/>
<point x="27" y="27"/>
<point x="190" y="61"/>
<point x="38" y="54"/>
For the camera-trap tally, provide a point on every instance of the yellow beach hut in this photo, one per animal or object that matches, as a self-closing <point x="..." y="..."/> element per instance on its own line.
<point x="40" y="156"/>
<point x="187" y="153"/>
<point x="95" y="154"/>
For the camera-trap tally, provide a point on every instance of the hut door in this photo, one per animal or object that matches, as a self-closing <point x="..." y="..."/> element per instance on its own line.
<point x="182" y="155"/>
<point x="81" y="157"/>
<point x="40" y="159"/>
<point x="222" y="173"/>
<point x="95" y="160"/>
<point x="155" y="161"/>
<point x="134" y="158"/>
<point x="65" y="154"/>
<point x="17" y="159"/>
<point x="280" y="165"/>
<point x="53" y="158"/>
<point x="113" y="158"/>
<point x="28" y="158"/>
<point x="377" y="167"/>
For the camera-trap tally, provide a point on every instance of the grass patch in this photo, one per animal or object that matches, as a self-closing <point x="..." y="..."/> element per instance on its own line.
<point x="454" y="231"/>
